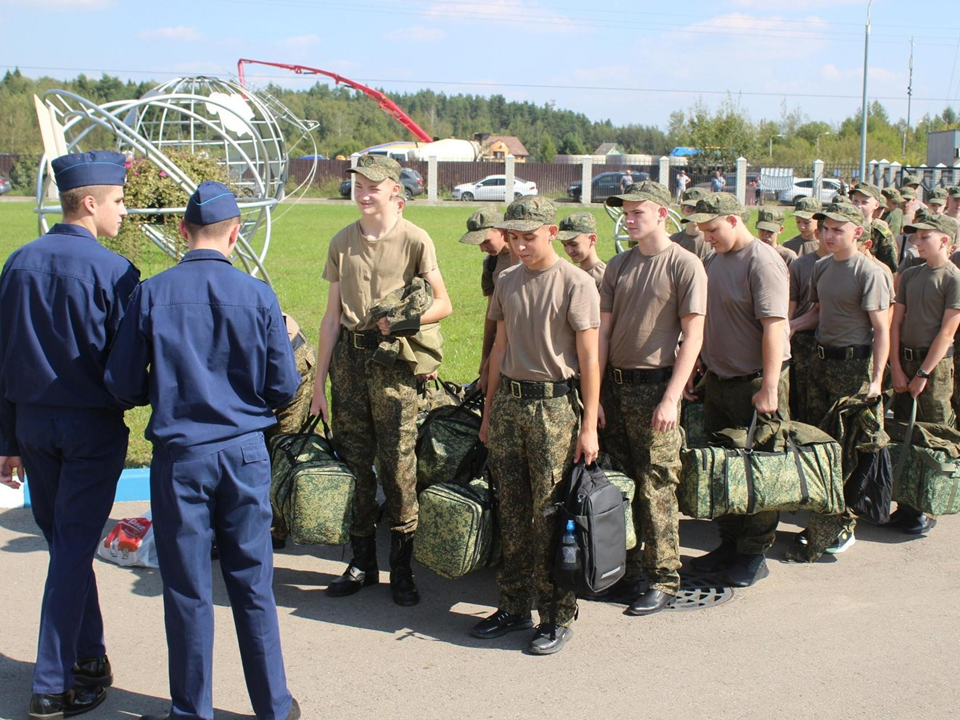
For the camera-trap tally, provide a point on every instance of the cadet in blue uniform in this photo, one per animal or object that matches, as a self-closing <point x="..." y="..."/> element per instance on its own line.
<point x="219" y="359"/>
<point x="61" y="300"/>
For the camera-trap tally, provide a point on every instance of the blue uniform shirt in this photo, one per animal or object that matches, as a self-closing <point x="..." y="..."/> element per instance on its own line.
<point x="205" y="344"/>
<point x="61" y="300"/>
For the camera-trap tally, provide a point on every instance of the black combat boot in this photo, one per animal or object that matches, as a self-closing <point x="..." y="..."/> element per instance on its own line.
<point x="401" y="575"/>
<point x="361" y="571"/>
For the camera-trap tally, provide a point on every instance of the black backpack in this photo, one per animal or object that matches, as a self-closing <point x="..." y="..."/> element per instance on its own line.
<point x="597" y="509"/>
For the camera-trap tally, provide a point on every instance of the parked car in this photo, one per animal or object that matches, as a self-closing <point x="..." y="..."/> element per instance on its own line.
<point x="804" y="188"/>
<point x="409" y="178"/>
<point x="5" y="186"/>
<point x="604" y="185"/>
<point x="493" y="187"/>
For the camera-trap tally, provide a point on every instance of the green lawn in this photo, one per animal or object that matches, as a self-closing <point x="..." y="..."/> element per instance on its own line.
<point x="295" y="262"/>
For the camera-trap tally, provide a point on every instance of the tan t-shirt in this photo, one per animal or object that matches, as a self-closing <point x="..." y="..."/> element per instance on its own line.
<point x="802" y="247"/>
<point x="926" y="292"/>
<point x="596" y="272"/>
<point x="746" y="285"/>
<point x="368" y="270"/>
<point x="492" y="267"/>
<point x="848" y="290"/>
<point x="543" y="310"/>
<point x="786" y="254"/>
<point x="693" y="243"/>
<point x="646" y="295"/>
<point x="800" y="273"/>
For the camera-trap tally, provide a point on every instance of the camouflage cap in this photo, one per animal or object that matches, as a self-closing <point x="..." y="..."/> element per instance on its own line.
<point x="953" y="191"/>
<point x="932" y="221"/>
<point x="806" y="206"/>
<point x="479" y="224"/>
<point x="377" y="168"/>
<point x="714" y="205"/>
<point x="576" y="224"/>
<point x="911" y="180"/>
<point x="529" y="213"/>
<point x="938" y="196"/>
<point x="638" y="192"/>
<point x="868" y="190"/>
<point x="891" y="193"/>
<point x="690" y="197"/>
<point x="908" y="193"/>
<point x="842" y="211"/>
<point x="770" y="219"/>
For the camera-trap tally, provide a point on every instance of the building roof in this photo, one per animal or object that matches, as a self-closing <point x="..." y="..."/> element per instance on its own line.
<point x="610" y="148"/>
<point x="512" y="142"/>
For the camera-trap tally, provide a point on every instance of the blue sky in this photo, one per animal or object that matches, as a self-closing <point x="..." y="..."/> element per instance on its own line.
<point x="627" y="61"/>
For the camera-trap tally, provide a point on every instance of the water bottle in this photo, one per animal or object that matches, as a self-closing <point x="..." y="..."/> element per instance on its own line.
<point x="570" y="551"/>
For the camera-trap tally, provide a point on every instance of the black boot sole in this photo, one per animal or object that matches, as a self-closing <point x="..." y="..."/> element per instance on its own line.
<point x="89" y="680"/>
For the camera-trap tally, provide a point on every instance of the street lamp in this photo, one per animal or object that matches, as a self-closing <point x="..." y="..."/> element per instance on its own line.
<point x="770" y="154"/>
<point x="819" y="135"/>
<point x="863" y="109"/>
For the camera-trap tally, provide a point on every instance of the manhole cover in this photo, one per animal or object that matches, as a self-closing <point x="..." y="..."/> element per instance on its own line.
<point x="697" y="590"/>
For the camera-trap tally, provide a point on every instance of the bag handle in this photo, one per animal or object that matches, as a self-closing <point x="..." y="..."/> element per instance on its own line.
<point x="752" y="431"/>
<point x="907" y="444"/>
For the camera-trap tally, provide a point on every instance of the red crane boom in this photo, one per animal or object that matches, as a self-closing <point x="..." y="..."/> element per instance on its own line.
<point x="385" y="103"/>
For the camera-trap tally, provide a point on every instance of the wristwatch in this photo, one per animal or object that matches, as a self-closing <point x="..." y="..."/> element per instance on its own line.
<point x="921" y="373"/>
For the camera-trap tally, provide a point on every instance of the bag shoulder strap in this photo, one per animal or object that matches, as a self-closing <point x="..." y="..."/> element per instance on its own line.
<point x="906" y="445"/>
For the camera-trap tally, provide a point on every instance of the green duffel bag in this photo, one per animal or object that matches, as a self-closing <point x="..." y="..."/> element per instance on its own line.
<point x="445" y="437"/>
<point x="312" y="489"/>
<point x="925" y="478"/>
<point x="626" y="486"/>
<point x="717" y="481"/>
<point x="457" y="532"/>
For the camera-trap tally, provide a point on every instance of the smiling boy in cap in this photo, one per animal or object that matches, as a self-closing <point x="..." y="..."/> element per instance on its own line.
<point x="61" y="299"/>
<point x="578" y="235"/>
<point x="206" y="346"/>
<point x="769" y="226"/>
<point x="548" y="319"/>
<point x="868" y="198"/>
<point x="746" y="350"/>
<point x="806" y="241"/>
<point x="689" y="236"/>
<point x="925" y="321"/>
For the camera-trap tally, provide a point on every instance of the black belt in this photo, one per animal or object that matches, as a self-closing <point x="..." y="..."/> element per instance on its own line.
<point x="362" y="341"/>
<point x="752" y="376"/>
<point x="298" y="341"/>
<point x="851" y="352"/>
<point x="919" y="354"/>
<point x="811" y="333"/>
<point x="526" y="390"/>
<point x="638" y="377"/>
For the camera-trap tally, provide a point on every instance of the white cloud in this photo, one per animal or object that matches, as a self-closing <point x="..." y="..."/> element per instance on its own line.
<point x="300" y="42"/>
<point x="535" y="18"/>
<point x="176" y="34"/>
<point x="417" y="33"/>
<point x="831" y="73"/>
<point x="755" y="39"/>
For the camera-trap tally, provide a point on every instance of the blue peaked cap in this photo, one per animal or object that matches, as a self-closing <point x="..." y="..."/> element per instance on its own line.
<point x="99" y="167"/>
<point x="211" y="203"/>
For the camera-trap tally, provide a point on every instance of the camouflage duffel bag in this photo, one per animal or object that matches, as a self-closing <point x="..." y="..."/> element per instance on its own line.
<point x="312" y="489"/>
<point x="626" y="486"/>
<point x="801" y="475"/>
<point x="445" y="437"/>
<point x="457" y="532"/>
<point x="927" y="478"/>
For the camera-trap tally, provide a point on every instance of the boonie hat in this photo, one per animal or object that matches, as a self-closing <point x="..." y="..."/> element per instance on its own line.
<point x="891" y="193"/>
<point x="576" y="224"/>
<point x="377" y="168"/>
<point x="770" y="219"/>
<point x="211" y="202"/>
<point x="528" y="213"/>
<point x="941" y="223"/>
<point x="714" y="205"/>
<point x="868" y="190"/>
<point x="690" y="197"/>
<point x="478" y="225"/>
<point x="806" y="206"/>
<point x="98" y="167"/>
<point x="908" y="179"/>
<point x="647" y="190"/>
<point x="842" y="212"/>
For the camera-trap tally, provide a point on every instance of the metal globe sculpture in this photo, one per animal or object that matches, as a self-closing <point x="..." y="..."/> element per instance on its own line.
<point x="249" y="135"/>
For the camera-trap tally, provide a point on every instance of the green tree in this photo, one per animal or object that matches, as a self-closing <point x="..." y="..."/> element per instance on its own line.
<point x="571" y="144"/>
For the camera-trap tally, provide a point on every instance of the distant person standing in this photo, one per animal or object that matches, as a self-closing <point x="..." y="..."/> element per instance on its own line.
<point x="626" y="181"/>
<point x="683" y="181"/>
<point x="717" y="182"/>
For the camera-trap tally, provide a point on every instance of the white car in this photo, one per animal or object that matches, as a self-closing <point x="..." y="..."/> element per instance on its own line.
<point x="804" y="188"/>
<point x="493" y="187"/>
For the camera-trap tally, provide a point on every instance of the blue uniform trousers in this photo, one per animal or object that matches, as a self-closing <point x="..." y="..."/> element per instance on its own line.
<point x="73" y="458"/>
<point x="219" y="490"/>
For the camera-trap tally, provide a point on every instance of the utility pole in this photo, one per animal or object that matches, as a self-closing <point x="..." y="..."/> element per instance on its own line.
<point x="903" y="151"/>
<point x="863" y="111"/>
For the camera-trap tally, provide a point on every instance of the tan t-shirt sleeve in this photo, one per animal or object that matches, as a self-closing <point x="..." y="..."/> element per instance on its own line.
<point x="794" y="283"/>
<point x="769" y="286"/>
<point x="902" y="289"/>
<point x="608" y="284"/>
<point x="952" y="292"/>
<point x="692" y="289"/>
<point x="331" y="271"/>
<point x="495" y="311"/>
<point x="427" y="260"/>
<point x="584" y="310"/>
<point x="876" y="294"/>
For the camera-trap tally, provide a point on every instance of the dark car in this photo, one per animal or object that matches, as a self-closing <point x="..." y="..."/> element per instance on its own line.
<point x="5" y="186"/>
<point x="604" y="185"/>
<point x="409" y="178"/>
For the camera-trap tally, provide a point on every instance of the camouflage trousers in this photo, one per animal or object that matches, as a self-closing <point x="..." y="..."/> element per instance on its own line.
<point x="374" y="415"/>
<point x="291" y="417"/>
<point x="652" y="460"/>
<point x="803" y="348"/>
<point x="531" y="444"/>
<point x="934" y="404"/>
<point x="832" y="380"/>
<point x="729" y="403"/>
<point x="956" y="380"/>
